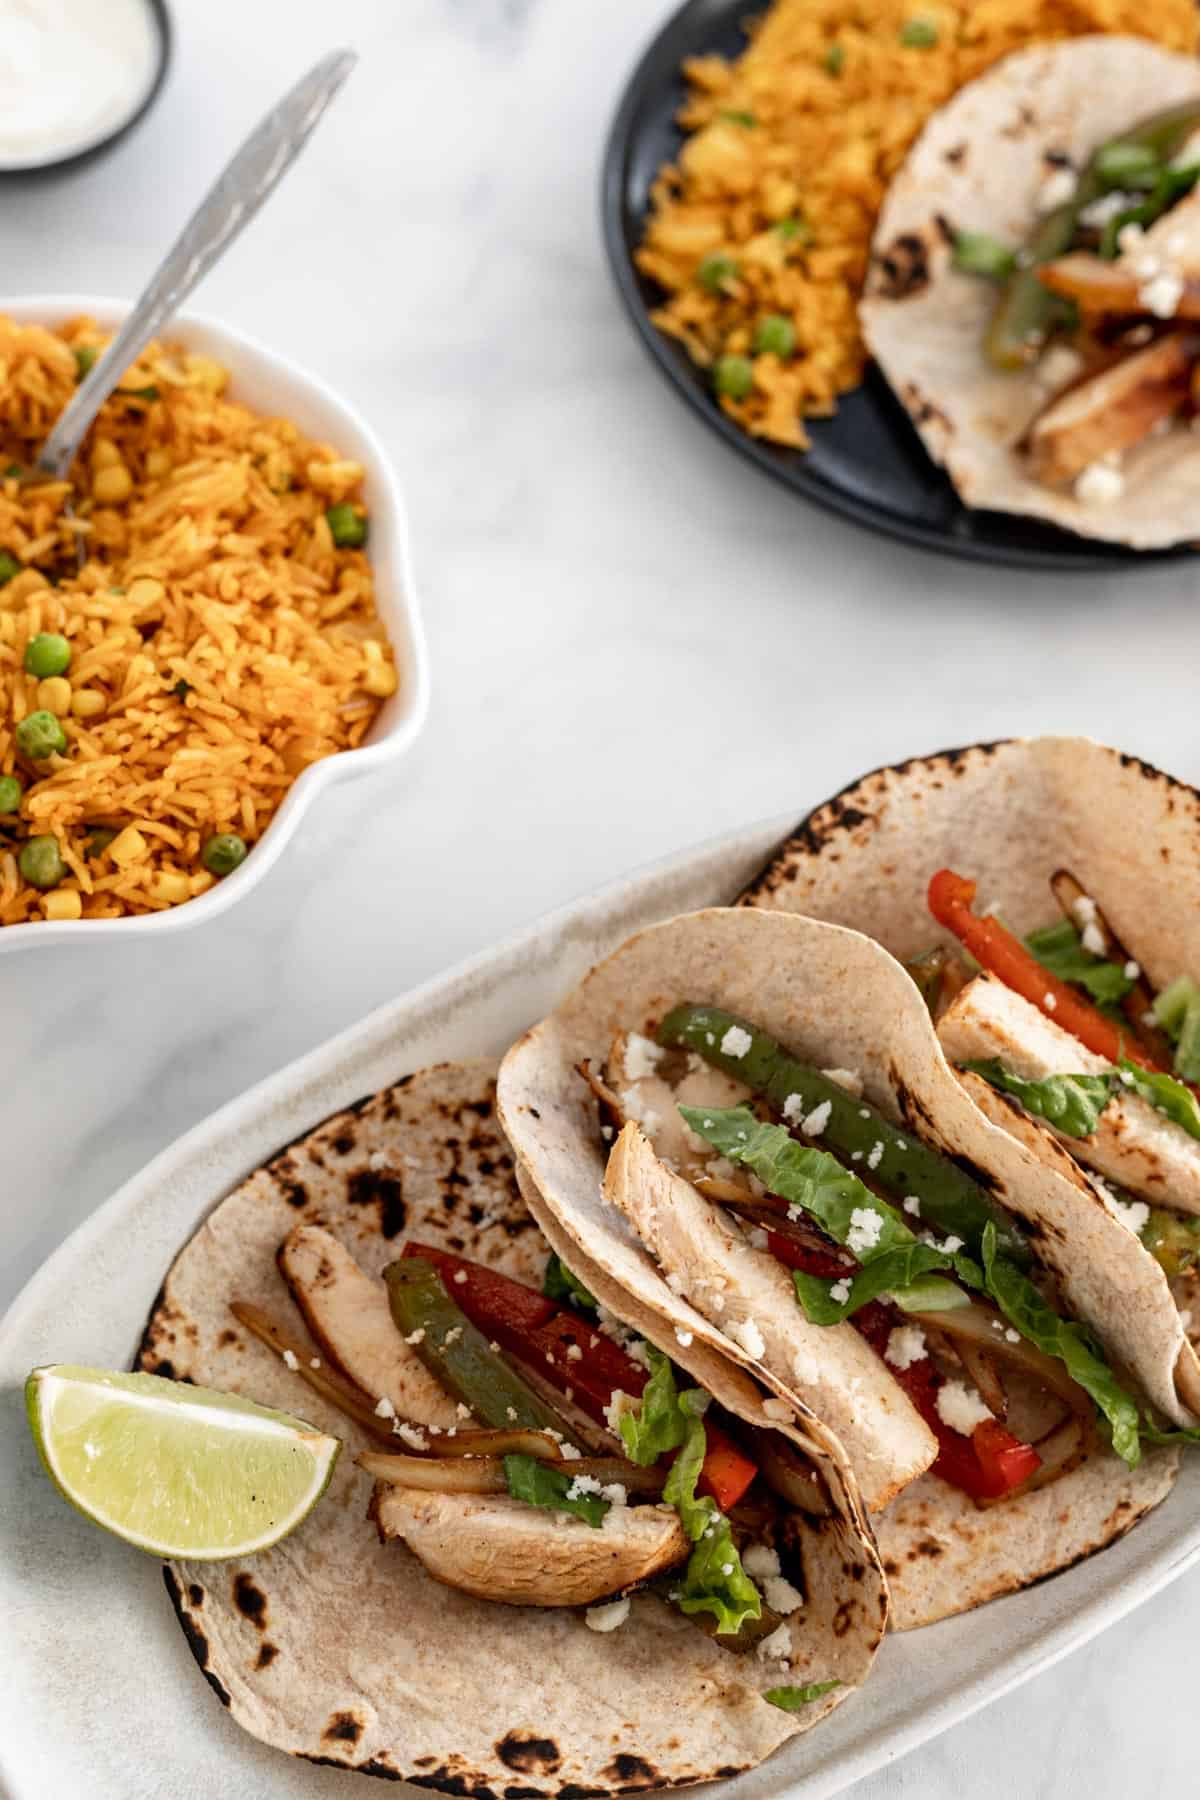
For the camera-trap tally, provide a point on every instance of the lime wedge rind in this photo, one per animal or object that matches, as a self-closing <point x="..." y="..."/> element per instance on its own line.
<point x="175" y="1470"/>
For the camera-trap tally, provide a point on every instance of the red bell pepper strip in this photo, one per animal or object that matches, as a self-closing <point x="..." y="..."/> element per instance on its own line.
<point x="986" y="1465"/>
<point x="995" y="947"/>
<point x="542" y="1334"/>
<point x="795" y="1255"/>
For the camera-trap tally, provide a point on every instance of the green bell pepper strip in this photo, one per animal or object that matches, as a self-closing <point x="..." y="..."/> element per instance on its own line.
<point x="1026" y="312"/>
<point x="950" y="1200"/>
<point x="457" y="1355"/>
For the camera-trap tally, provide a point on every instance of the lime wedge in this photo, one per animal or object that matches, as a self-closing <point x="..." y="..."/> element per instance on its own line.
<point x="175" y="1469"/>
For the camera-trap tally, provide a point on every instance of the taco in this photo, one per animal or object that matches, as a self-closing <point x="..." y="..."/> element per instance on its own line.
<point x="1034" y="292"/>
<point x="598" y="1559"/>
<point x="1067" y="998"/>
<point x="747" y="1123"/>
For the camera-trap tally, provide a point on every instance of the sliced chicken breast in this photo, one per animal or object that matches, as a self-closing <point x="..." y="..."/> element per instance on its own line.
<point x="501" y="1549"/>
<point x="749" y="1297"/>
<point x="347" y="1312"/>
<point x="1133" y="1144"/>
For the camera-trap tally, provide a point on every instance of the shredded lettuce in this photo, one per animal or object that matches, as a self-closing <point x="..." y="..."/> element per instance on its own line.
<point x="1071" y="1103"/>
<point x="791" y="1699"/>
<point x="1059" y="948"/>
<point x="896" y="1270"/>
<point x="558" y="1283"/>
<point x="810" y="1179"/>
<point x="1024" y="1308"/>
<point x="541" y="1484"/>
<point x="660" y="1423"/>
<point x="667" y="1420"/>
<point x="1164" y="1094"/>
<point x="818" y="1184"/>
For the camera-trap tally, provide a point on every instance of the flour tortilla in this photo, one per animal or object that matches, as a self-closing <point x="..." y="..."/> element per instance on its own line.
<point x="1008" y="815"/>
<point x="838" y="1001"/>
<point x="980" y="165"/>
<point x="337" y="1648"/>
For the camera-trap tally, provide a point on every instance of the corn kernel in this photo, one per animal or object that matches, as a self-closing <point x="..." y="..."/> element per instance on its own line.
<point x="206" y="373"/>
<point x="170" y="886"/>
<point x="380" y="680"/>
<point x="145" y="591"/>
<point x="86" y="703"/>
<point x="105" y="454"/>
<point x="158" y="464"/>
<point x="54" y="694"/>
<point x="111" y="485"/>
<point x="63" y="903"/>
<point x="128" y="847"/>
<point x="22" y="585"/>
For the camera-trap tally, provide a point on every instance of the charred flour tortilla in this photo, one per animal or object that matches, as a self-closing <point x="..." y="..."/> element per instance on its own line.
<point x="335" y="1647"/>
<point x="980" y="165"/>
<point x="1012" y="814"/>
<point x="837" y="1001"/>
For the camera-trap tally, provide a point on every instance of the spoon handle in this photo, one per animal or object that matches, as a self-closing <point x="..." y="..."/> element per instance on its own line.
<point x="228" y="207"/>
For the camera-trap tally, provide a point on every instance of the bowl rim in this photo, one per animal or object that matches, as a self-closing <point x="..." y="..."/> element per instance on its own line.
<point x="56" y="162"/>
<point x="402" y="615"/>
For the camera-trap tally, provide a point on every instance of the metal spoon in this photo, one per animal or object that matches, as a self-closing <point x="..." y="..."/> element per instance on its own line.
<point x="229" y="206"/>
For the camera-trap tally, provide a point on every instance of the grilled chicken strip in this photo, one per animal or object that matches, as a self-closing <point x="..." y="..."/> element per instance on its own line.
<point x="347" y="1312"/>
<point x="1132" y="1143"/>
<point x="749" y="1297"/>
<point x="501" y="1549"/>
<point x="1107" y="413"/>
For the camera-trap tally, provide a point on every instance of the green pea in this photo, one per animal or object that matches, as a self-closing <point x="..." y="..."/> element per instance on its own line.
<point x="919" y="34"/>
<point x="223" y="853"/>
<point x="776" y="335"/>
<point x="9" y="566"/>
<point x="835" y="58"/>
<point x="47" y="654"/>
<point x="10" y="793"/>
<point x="41" y="863"/>
<point x="733" y="116"/>
<point x="99" y="840"/>
<point x="349" y="528"/>
<point x="85" y="357"/>
<point x="733" y="376"/>
<point x="717" y="268"/>
<point x="14" y="471"/>
<point x="794" y="231"/>
<point x="40" y="735"/>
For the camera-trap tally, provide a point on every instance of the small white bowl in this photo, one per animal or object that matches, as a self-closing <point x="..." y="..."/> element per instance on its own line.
<point x="270" y="384"/>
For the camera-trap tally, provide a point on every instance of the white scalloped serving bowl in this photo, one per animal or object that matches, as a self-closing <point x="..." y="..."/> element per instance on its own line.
<point x="271" y="384"/>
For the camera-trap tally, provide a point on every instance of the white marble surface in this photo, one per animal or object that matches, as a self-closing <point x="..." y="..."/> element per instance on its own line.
<point x="636" y="640"/>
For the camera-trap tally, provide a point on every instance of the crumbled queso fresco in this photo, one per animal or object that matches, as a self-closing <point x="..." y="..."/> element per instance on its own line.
<point x="905" y="1346"/>
<point x="736" y="1041"/>
<point x="642" y="1057"/>
<point x="746" y="1333"/>
<point x="1098" y="485"/>
<point x="866" y="1226"/>
<point x="960" y="1407"/>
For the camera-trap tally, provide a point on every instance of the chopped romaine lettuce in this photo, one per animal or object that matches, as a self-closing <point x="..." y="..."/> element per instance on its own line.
<point x="1177" y="1010"/>
<point x="542" y="1484"/>
<point x="1164" y="1094"/>
<point x="888" y="1274"/>
<point x="661" y="1420"/>
<point x="1059" y="948"/>
<point x="1024" y="1308"/>
<point x="810" y="1179"/>
<point x="791" y="1699"/>
<point x="1071" y="1103"/>
<point x="558" y="1283"/>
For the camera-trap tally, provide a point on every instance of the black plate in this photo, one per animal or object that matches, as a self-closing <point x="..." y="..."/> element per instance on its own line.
<point x="867" y="463"/>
